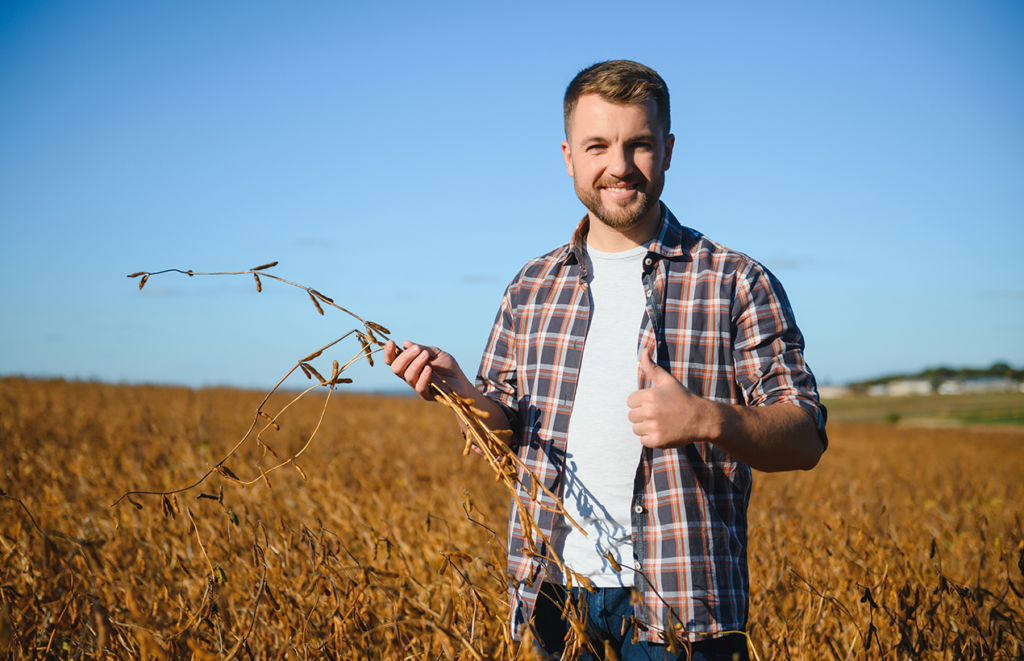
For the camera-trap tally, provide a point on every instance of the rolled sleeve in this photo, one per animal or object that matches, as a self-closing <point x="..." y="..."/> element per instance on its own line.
<point x="497" y="377"/>
<point x="768" y="348"/>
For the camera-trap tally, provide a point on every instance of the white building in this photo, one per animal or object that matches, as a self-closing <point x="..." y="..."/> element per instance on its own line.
<point x="901" y="388"/>
<point x="834" y="392"/>
<point x="981" y="385"/>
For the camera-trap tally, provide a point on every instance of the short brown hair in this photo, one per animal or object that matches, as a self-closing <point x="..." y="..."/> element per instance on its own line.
<point x="619" y="81"/>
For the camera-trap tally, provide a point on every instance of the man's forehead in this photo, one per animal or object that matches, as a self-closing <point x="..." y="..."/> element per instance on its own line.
<point x="595" y="111"/>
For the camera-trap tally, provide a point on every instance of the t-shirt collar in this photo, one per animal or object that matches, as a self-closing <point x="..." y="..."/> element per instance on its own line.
<point x="670" y="241"/>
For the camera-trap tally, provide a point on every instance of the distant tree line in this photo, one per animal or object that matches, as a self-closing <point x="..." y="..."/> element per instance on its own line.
<point x="937" y="375"/>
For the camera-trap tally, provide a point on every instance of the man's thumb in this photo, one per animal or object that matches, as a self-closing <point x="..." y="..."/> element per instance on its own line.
<point x="656" y="373"/>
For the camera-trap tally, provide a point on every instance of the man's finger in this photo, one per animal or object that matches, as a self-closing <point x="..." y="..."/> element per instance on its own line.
<point x="657" y="374"/>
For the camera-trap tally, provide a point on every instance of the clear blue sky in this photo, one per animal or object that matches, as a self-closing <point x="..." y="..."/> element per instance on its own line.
<point x="404" y="159"/>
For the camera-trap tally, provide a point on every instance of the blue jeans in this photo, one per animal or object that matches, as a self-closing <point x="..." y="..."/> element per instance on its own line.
<point x="606" y="610"/>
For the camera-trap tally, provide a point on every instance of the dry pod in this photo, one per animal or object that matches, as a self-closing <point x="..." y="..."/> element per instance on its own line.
<point x="322" y="297"/>
<point x="312" y="369"/>
<point x="378" y="328"/>
<point x="316" y="303"/>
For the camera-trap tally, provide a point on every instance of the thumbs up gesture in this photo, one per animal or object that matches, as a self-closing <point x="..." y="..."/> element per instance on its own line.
<point x="667" y="415"/>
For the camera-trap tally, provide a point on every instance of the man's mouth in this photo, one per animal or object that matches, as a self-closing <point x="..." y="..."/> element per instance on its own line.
<point x="620" y="191"/>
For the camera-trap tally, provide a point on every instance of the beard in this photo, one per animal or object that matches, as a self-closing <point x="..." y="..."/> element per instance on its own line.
<point x="624" y="215"/>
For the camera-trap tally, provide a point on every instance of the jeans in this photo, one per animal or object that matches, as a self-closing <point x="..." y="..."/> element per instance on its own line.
<point x="606" y="610"/>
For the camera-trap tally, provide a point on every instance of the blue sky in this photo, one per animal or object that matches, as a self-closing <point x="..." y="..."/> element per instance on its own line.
<point x="404" y="159"/>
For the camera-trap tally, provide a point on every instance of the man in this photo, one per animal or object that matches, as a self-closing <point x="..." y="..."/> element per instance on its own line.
<point x="643" y="370"/>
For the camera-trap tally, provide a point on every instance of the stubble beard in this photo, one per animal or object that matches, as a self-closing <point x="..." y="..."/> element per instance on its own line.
<point x="619" y="216"/>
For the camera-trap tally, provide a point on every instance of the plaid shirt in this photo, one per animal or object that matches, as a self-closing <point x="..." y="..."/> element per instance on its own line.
<point x="723" y="327"/>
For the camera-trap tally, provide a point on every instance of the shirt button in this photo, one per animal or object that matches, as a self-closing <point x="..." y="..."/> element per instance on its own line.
<point x="638" y="565"/>
<point x="648" y="293"/>
<point x="648" y="261"/>
<point x="638" y="509"/>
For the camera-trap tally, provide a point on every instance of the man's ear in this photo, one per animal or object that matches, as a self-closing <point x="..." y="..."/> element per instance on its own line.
<point x="567" y="155"/>
<point x="670" y="142"/>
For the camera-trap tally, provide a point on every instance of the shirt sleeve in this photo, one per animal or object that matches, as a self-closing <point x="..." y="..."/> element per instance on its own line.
<point x="768" y="348"/>
<point x="498" y="374"/>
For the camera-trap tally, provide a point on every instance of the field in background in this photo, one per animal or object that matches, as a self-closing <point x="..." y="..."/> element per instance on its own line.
<point x="902" y="543"/>
<point x="932" y="410"/>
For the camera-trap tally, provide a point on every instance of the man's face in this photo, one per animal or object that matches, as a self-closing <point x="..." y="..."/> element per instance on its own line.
<point x="617" y="156"/>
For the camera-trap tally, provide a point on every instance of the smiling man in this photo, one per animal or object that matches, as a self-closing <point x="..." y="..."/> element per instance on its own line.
<point x="644" y="370"/>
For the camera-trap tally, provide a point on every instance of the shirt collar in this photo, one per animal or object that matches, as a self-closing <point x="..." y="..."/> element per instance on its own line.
<point x="671" y="240"/>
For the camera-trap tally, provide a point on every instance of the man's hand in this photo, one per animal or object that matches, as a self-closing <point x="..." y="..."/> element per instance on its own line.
<point x="779" y="437"/>
<point x="668" y="415"/>
<point x="417" y="364"/>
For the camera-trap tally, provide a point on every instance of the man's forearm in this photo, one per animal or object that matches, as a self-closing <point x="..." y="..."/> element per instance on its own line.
<point x="780" y="437"/>
<point x="496" y="419"/>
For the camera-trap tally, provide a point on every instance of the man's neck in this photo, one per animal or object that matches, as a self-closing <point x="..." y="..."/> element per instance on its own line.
<point x="616" y="239"/>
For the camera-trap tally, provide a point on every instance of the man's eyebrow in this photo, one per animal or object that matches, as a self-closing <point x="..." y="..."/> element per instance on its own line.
<point x="642" y="137"/>
<point x="639" y="137"/>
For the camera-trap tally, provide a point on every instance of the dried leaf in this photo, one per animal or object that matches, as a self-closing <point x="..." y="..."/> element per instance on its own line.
<point x="221" y="576"/>
<point x="322" y="297"/>
<point x="366" y="348"/>
<point x="264" y="266"/>
<point x="273" y="423"/>
<point x="226" y="473"/>
<point x="316" y="303"/>
<point x="315" y="354"/>
<point x="312" y="369"/>
<point x="270" y="598"/>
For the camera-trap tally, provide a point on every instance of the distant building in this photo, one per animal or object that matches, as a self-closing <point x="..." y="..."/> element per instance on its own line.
<point x="905" y="387"/>
<point x="980" y="385"/>
<point x="901" y="388"/>
<point x="834" y="392"/>
<point x="879" y="390"/>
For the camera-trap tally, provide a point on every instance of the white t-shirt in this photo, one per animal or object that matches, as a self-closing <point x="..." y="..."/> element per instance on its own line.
<point x="602" y="451"/>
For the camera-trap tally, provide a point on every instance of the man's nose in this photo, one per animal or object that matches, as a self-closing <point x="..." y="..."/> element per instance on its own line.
<point x="621" y="162"/>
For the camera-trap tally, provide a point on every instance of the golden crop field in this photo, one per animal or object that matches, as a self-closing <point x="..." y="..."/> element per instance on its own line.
<point x="902" y="543"/>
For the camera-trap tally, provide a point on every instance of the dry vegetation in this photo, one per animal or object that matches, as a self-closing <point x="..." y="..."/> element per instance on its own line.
<point x="903" y="543"/>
